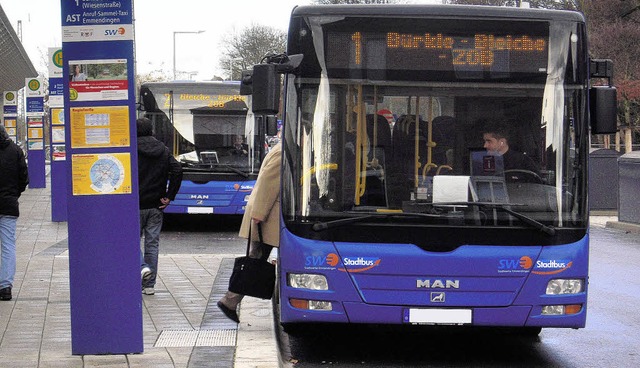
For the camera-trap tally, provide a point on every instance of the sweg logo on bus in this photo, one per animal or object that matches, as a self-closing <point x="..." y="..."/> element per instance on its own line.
<point x="355" y="264"/>
<point x="523" y="264"/>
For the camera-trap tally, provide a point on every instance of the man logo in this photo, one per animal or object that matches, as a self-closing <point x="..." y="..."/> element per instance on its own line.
<point x="437" y="297"/>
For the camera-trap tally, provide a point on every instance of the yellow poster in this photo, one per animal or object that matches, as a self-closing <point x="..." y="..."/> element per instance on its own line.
<point x="106" y="173"/>
<point x="35" y="133"/>
<point x="106" y="126"/>
<point x="9" y="123"/>
<point x="57" y="116"/>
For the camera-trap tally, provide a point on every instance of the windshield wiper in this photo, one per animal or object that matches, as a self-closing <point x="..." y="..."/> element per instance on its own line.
<point x="208" y="167"/>
<point x="505" y="208"/>
<point x="236" y="170"/>
<point x="324" y="225"/>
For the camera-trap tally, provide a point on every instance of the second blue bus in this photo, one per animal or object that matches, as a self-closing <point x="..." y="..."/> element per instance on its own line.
<point x="212" y="132"/>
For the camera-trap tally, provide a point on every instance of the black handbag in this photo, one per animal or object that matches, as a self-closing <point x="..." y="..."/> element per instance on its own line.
<point x="252" y="276"/>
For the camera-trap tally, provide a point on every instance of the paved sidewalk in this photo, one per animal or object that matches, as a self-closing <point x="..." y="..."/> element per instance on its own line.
<point x="182" y="325"/>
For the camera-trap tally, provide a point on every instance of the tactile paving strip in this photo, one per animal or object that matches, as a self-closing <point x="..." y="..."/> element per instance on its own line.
<point x="191" y="338"/>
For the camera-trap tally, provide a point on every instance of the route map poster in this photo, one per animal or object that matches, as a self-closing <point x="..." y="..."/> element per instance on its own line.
<point x="95" y="174"/>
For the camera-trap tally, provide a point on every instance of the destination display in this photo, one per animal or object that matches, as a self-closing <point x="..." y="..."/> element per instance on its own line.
<point x="441" y="47"/>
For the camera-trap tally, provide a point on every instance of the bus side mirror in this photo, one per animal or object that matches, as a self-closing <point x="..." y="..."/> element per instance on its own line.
<point x="272" y="125"/>
<point x="603" y="110"/>
<point x="246" y="83"/>
<point x="265" y="83"/>
<point x="603" y="104"/>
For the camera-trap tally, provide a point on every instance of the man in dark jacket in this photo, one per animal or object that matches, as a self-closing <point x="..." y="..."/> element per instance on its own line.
<point x="156" y="167"/>
<point x="14" y="178"/>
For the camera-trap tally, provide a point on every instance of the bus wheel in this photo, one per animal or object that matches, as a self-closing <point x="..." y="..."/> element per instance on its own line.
<point x="529" y="331"/>
<point x="293" y="329"/>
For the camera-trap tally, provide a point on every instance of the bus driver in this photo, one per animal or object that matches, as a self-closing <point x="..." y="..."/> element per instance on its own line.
<point x="496" y="140"/>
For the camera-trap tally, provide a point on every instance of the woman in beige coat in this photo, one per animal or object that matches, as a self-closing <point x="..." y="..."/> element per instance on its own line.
<point x="262" y="208"/>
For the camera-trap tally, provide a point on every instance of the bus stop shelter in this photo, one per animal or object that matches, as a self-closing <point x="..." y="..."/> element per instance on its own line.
<point x="15" y="65"/>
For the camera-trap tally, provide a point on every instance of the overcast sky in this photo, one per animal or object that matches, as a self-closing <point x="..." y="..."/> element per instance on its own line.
<point x="155" y="22"/>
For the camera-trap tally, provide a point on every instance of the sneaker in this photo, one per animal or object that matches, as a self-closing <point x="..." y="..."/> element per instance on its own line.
<point x="148" y="291"/>
<point x="5" y="293"/>
<point x="145" y="273"/>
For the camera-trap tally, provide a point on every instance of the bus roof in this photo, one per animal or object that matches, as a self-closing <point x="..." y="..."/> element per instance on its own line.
<point x="187" y="83"/>
<point x="438" y="10"/>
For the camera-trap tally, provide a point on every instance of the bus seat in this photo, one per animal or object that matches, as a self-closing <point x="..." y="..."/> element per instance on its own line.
<point x="383" y="137"/>
<point x="379" y="156"/>
<point x="444" y="135"/>
<point x="402" y="170"/>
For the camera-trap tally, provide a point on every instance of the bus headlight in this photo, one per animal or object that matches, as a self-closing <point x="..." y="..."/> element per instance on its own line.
<point x="308" y="281"/>
<point x="561" y="310"/>
<point x="565" y="286"/>
<point x="311" y="304"/>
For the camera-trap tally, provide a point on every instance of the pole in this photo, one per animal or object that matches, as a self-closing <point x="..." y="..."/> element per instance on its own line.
<point x="174" y="47"/>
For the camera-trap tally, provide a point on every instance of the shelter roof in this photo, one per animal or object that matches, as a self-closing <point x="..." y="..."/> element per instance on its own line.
<point x="15" y="64"/>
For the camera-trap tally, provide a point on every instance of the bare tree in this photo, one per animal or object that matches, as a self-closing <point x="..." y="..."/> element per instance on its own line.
<point x="327" y="2"/>
<point x="247" y="48"/>
<point x="545" y="4"/>
<point x="614" y="28"/>
<point x="158" y="75"/>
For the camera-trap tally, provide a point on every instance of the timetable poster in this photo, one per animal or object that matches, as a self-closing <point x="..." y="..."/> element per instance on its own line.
<point x="103" y="126"/>
<point x="10" y="123"/>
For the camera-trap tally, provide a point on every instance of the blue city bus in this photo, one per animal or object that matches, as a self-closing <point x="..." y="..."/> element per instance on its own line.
<point x="200" y="122"/>
<point x="393" y="209"/>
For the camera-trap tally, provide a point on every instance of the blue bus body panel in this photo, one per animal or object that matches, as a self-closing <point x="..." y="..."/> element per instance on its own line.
<point x="379" y="283"/>
<point x="215" y="197"/>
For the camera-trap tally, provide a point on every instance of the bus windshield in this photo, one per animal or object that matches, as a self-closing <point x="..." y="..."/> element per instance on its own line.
<point x="443" y="122"/>
<point x="207" y="125"/>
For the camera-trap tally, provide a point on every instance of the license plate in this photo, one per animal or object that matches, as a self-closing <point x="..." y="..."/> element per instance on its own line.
<point x="438" y="316"/>
<point x="200" y="210"/>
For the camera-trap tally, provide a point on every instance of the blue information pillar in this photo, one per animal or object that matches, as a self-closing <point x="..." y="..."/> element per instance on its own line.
<point x="34" y="106"/>
<point x="100" y="140"/>
<point x="57" y="137"/>
<point x="10" y="114"/>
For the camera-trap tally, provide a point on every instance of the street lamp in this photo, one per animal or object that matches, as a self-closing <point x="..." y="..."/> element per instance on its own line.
<point x="174" y="48"/>
<point x="231" y="63"/>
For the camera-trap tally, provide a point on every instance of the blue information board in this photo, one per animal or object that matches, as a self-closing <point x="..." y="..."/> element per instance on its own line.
<point x="100" y="141"/>
<point x="57" y="128"/>
<point x="34" y="108"/>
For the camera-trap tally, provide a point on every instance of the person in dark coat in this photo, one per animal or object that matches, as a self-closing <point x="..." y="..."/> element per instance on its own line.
<point x="496" y="140"/>
<point x="156" y="168"/>
<point x="14" y="178"/>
